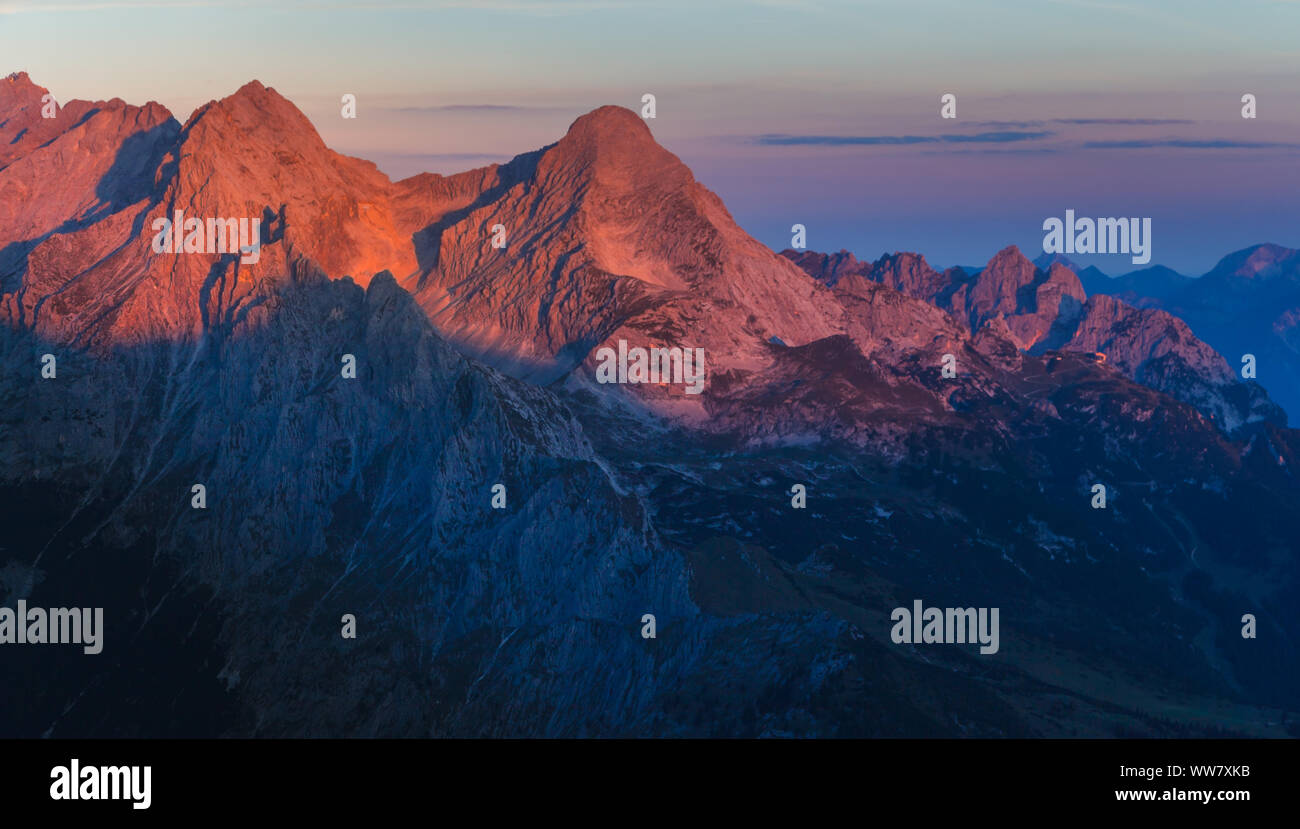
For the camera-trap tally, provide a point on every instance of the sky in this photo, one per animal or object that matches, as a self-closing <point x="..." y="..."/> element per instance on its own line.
<point x="824" y="113"/>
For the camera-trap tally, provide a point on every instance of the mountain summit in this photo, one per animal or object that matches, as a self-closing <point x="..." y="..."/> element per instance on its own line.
<point x="608" y="236"/>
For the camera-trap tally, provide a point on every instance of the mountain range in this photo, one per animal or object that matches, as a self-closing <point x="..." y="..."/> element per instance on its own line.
<point x="948" y="429"/>
<point x="1248" y="303"/>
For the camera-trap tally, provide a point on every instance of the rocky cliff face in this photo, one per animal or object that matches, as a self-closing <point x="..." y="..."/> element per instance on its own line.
<point x="1037" y="310"/>
<point x="1249" y="303"/>
<point x="67" y="185"/>
<point x="1159" y="350"/>
<point x="325" y="495"/>
<point x="328" y="496"/>
<point x="608" y="237"/>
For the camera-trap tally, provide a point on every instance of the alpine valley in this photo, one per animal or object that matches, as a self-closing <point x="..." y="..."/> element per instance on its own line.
<point x="475" y="365"/>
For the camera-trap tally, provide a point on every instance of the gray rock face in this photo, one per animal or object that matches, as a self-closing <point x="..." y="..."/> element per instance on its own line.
<point x="368" y="496"/>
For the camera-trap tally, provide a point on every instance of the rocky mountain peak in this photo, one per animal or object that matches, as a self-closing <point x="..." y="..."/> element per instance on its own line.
<point x="18" y="87"/>
<point x="256" y="117"/>
<point x="1257" y="262"/>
